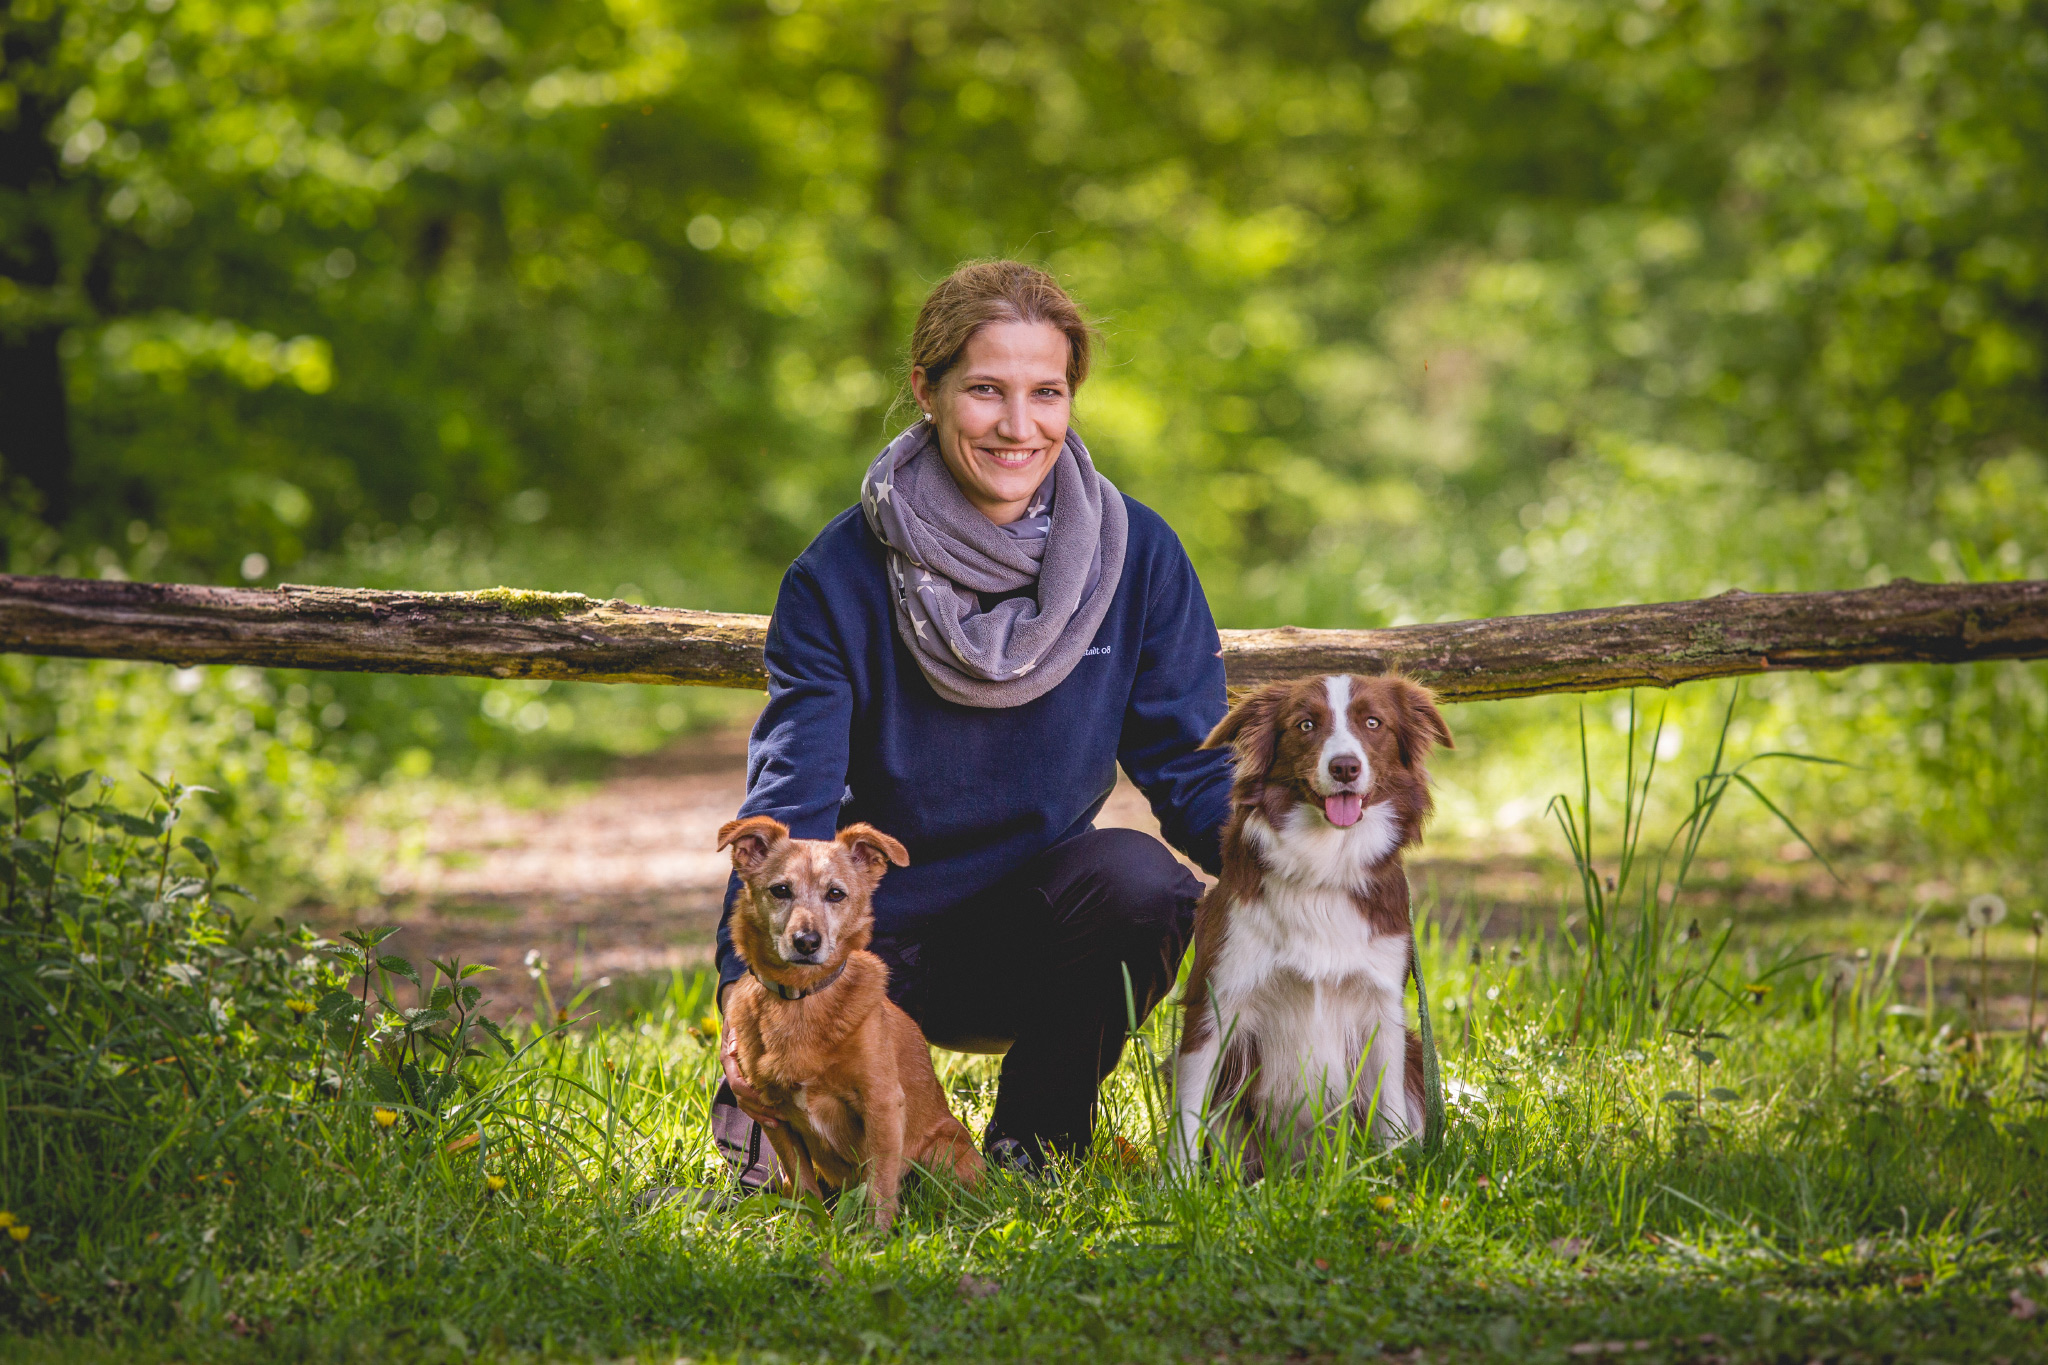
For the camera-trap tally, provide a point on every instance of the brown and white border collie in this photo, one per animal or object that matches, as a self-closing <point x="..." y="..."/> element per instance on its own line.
<point x="1294" y="1011"/>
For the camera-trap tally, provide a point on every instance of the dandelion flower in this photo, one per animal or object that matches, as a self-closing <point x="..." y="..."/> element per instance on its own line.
<point x="1757" y="990"/>
<point x="6" y="1219"/>
<point x="385" y="1117"/>
<point x="302" y="1008"/>
<point x="496" y="1182"/>
<point x="1385" y="1203"/>
<point x="18" y="1231"/>
<point x="1983" y="911"/>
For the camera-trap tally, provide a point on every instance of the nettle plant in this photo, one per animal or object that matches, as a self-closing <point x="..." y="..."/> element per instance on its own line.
<point x="136" y="995"/>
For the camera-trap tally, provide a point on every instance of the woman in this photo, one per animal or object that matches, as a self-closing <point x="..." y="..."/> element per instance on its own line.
<point x="962" y="661"/>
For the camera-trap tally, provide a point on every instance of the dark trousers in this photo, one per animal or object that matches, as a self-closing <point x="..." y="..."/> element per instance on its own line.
<point x="1036" y="968"/>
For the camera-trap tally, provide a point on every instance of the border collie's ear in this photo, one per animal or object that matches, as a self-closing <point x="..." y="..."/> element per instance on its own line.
<point x="751" y="839"/>
<point x="874" y="848"/>
<point x="1422" y="722"/>
<point x="1253" y="727"/>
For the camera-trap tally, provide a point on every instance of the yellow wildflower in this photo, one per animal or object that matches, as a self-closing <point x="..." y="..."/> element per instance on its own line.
<point x="18" y="1231"/>
<point x="302" y="1008"/>
<point x="385" y="1117"/>
<point x="6" y="1219"/>
<point x="1385" y="1203"/>
<point x="496" y="1182"/>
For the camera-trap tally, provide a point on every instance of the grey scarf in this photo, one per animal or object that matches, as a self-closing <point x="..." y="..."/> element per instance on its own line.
<point x="942" y="551"/>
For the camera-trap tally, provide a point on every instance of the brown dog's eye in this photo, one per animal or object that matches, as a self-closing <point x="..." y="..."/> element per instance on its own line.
<point x="1372" y="722"/>
<point x="780" y="891"/>
<point x="1306" y="726"/>
<point x="835" y="894"/>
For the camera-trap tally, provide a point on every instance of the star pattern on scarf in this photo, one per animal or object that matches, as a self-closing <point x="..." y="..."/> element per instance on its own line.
<point x="879" y="490"/>
<point x="917" y="624"/>
<point x="1025" y="669"/>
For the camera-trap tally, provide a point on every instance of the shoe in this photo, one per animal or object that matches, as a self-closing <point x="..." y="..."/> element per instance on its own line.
<point x="1008" y="1154"/>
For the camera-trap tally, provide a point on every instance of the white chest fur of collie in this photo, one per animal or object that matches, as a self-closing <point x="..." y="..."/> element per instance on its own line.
<point x="1294" y="1013"/>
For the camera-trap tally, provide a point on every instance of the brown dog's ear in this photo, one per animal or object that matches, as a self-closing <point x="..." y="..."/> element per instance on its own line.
<point x="1422" y="724"/>
<point x="874" y="848"/>
<point x="1253" y="726"/>
<point x="751" y="839"/>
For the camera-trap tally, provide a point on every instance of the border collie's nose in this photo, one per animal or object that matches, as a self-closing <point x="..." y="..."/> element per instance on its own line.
<point x="806" y="942"/>
<point x="1344" y="768"/>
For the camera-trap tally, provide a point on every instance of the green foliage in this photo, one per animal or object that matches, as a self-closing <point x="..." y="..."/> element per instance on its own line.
<point x="1415" y="311"/>
<point x="161" y="1059"/>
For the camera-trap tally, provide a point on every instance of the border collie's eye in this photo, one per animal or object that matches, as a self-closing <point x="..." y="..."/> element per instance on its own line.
<point x="1306" y="726"/>
<point x="835" y="894"/>
<point x="780" y="891"/>
<point x="1372" y="722"/>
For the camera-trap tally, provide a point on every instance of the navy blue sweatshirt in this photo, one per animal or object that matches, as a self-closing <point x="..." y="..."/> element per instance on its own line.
<point x="853" y="732"/>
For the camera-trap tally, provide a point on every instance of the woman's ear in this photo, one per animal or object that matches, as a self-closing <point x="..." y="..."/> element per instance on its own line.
<point x="750" y="839"/>
<point x="874" y="848"/>
<point x="922" y="390"/>
<point x="1253" y="727"/>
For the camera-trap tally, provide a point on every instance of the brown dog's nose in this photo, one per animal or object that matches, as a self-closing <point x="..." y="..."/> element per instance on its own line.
<point x="1344" y="768"/>
<point x="806" y="942"/>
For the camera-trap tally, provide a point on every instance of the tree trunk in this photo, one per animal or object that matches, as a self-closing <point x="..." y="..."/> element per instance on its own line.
<point x="35" y="419"/>
<point x="502" y="633"/>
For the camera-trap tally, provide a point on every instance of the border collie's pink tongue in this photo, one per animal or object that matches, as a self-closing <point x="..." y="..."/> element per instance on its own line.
<point x="1343" y="809"/>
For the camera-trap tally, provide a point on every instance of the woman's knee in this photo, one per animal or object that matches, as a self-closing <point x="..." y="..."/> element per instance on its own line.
<point x="1127" y="878"/>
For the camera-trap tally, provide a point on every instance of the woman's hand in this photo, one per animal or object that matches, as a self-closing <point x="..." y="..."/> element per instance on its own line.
<point x="749" y="1099"/>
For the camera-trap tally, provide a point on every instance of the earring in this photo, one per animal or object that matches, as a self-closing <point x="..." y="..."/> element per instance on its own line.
<point x="927" y="417"/>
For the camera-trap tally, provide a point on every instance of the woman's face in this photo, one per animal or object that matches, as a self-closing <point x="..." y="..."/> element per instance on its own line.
<point x="1001" y="414"/>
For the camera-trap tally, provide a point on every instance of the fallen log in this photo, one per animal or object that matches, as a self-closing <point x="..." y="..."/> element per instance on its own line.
<point x="505" y="633"/>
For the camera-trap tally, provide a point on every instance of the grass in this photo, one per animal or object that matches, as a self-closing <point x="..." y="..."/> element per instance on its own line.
<point x="1667" y="1144"/>
<point x="1889" y="1205"/>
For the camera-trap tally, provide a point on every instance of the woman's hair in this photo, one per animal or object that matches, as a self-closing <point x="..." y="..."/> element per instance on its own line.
<point x="978" y="293"/>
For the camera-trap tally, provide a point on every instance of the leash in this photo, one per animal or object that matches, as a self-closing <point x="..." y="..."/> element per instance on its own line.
<point x="1434" y="1117"/>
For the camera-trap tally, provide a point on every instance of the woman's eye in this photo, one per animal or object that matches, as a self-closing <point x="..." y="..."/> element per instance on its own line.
<point x="835" y="894"/>
<point x="780" y="891"/>
<point x="1306" y="726"/>
<point x="1372" y="722"/>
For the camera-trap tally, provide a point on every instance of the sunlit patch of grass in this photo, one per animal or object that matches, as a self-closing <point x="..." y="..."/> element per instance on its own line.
<point x="1756" y="1157"/>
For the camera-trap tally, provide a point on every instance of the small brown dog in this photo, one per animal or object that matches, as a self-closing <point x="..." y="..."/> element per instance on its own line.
<point x="847" y="1072"/>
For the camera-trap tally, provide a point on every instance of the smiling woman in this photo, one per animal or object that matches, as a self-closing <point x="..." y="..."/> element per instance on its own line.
<point x="962" y="661"/>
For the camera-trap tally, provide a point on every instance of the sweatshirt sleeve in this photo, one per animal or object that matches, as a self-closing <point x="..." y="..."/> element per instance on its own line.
<point x="1176" y="700"/>
<point x="797" y="755"/>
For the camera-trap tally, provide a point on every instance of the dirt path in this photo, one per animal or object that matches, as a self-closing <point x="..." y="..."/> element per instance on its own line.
<point x="623" y="881"/>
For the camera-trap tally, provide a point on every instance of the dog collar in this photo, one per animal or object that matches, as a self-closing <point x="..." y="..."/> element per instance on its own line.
<point x="787" y="994"/>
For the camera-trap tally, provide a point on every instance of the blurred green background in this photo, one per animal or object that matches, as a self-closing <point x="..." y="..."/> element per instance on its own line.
<point x="1413" y="311"/>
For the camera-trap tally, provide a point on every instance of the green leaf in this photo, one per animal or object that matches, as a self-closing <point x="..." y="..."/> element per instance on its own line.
<point x="382" y="1083"/>
<point x="889" y="1301"/>
<point x="198" y="848"/>
<point x="476" y="968"/>
<point x="442" y="998"/>
<point x="470" y="995"/>
<point x="497" y="1036"/>
<point x="332" y="1004"/>
<point x="1705" y="1057"/>
<point x="1722" y="1094"/>
<point x="399" y="966"/>
<point x="343" y="951"/>
<point x="1676" y="1097"/>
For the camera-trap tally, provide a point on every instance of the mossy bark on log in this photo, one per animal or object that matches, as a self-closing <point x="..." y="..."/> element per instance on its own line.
<point x="508" y="633"/>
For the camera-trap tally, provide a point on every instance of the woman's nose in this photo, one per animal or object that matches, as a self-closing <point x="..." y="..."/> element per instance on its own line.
<point x="1015" y="422"/>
